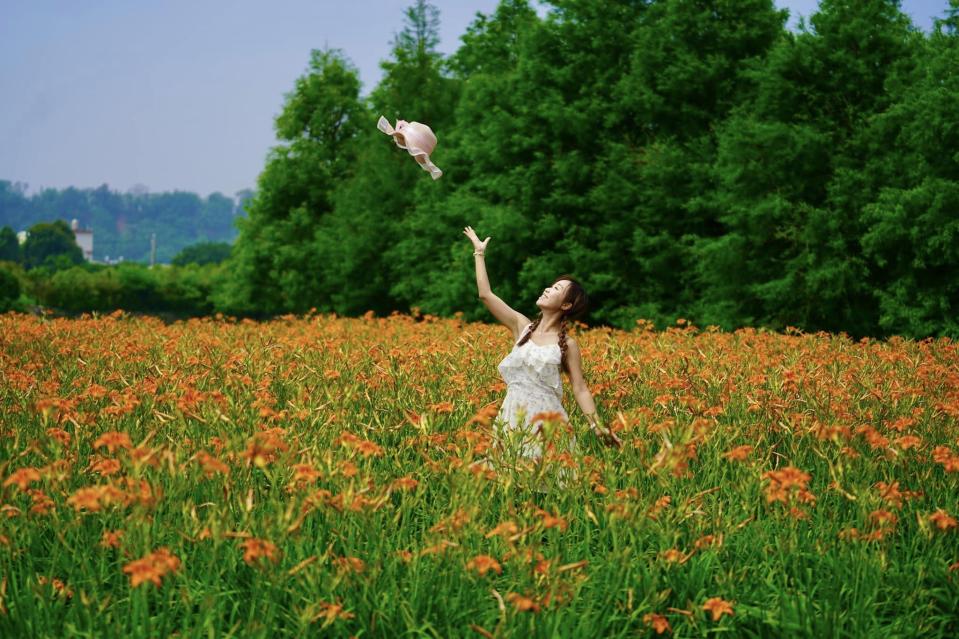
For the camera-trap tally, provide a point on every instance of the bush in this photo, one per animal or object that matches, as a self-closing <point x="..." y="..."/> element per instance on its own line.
<point x="131" y="287"/>
<point x="203" y="253"/>
<point x="77" y="289"/>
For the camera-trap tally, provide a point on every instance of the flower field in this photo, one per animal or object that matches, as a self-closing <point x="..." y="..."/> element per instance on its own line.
<point x="316" y="475"/>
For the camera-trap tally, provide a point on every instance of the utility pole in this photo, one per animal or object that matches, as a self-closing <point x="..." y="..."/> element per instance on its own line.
<point x="153" y="249"/>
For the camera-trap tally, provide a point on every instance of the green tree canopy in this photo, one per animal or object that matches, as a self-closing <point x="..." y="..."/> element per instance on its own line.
<point x="46" y="241"/>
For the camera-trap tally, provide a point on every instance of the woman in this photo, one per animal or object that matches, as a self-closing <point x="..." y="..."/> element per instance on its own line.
<point x="541" y="348"/>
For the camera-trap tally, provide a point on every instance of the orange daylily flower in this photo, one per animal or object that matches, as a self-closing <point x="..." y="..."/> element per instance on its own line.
<point x="111" y="538"/>
<point x="22" y="477"/>
<point x="943" y="455"/>
<point x="718" y="607"/>
<point x="442" y="407"/>
<point x="210" y="464"/>
<point x="305" y="474"/>
<point x="483" y="564"/>
<point x="87" y="498"/>
<point x="41" y="504"/>
<point x="890" y="493"/>
<point x="152" y="567"/>
<point x="708" y="540"/>
<point x="673" y="555"/>
<point x="349" y="564"/>
<point x="550" y="520"/>
<point x="255" y="549"/>
<point x="908" y="441"/>
<point x="58" y="585"/>
<point x="740" y="453"/>
<point x="438" y="548"/>
<point x="505" y="529"/>
<point x="113" y="440"/>
<point x="943" y="520"/>
<point x="105" y="466"/>
<point x="522" y="603"/>
<point x="485" y="416"/>
<point x="330" y="612"/>
<point x="404" y="483"/>
<point x="658" y="622"/>
<point x="883" y="518"/>
<point x="369" y="449"/>
<point x="453" y="523"/>
<point x="262" y="449"/>
<point x="788" y="477"/>
<point x="59" y="435"/>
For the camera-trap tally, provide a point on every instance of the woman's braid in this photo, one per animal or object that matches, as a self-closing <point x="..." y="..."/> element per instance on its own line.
<point x="562" y="343"/>
<point x="532" y="328"/>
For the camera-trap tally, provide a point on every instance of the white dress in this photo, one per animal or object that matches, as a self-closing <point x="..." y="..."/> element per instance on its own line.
<point x="533" y="385"/>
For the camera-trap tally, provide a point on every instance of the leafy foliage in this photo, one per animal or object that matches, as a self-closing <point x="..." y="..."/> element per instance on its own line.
<point x="48" y="241"/>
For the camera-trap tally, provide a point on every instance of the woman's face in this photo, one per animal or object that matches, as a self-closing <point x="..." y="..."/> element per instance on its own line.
<point x="552" y="297"/>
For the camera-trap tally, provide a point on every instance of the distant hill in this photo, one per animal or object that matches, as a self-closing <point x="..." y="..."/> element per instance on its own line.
<point x="123" y="222"/>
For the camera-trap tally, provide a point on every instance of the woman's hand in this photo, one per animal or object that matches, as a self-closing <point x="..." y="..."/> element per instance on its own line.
<point x="607" y="436"/>
<point x="477" y="245"/>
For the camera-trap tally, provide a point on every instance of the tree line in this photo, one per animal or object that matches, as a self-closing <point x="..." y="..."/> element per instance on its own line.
<point x="124" y="222"/>
<point x="684" y="159"/>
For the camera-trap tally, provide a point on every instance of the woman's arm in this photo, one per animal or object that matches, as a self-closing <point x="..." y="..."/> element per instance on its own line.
<point x="583" y="397"/>
<point x="500" y="309"/>
<point x="482" y="279"/>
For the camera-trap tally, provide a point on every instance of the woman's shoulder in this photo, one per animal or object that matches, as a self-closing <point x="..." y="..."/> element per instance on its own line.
<point x="521" y="327"/>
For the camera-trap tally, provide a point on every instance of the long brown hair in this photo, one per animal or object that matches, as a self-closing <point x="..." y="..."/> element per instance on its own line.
<point x="579" y="302"/>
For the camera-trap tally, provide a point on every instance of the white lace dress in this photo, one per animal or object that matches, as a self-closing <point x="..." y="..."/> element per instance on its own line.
<point x="533" y="385"/>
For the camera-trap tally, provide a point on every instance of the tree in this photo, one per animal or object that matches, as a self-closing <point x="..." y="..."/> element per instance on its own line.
<point x="275" y="262"/>
<point x="910" y="224"/>
<point x="46" y="241"/>
<point x="15" y="206"/>
<point x="9" y="289"/>
<point x="789" y="174"/>
<point x="9" y="245"/>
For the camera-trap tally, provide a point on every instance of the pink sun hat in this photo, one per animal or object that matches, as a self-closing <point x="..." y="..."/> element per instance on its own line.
<point x="417" y="138"/>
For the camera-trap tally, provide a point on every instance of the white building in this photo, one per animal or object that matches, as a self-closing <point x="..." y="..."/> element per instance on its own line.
<point x="84" y="239"/>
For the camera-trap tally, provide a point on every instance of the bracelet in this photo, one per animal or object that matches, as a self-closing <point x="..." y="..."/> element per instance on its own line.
<point x="475" y="253"/>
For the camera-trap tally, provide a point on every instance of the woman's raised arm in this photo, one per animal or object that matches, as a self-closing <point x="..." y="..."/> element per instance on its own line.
<point x="500" y="309"/>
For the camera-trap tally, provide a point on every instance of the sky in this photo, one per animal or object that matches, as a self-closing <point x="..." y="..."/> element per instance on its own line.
<point x="182" y="94"/>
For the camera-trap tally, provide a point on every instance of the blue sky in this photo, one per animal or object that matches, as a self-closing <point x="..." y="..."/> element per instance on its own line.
<point x="181" y="95"/>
